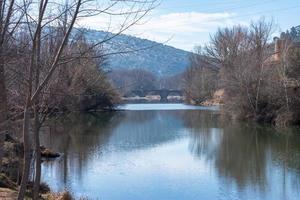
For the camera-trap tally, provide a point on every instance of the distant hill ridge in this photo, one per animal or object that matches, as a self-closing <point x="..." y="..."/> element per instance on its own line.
<point x="160" y="59"/>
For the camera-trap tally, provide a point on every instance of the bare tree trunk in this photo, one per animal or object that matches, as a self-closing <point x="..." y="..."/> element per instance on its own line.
<point x="37" y="123"/>
<point x="27" y="157"/>
<point x="37" y="180"/>
<point x="258" y="88"/>
<point x="3" y="97"/>
<point x="3" y="109"/>
<point x="3" y="102"/>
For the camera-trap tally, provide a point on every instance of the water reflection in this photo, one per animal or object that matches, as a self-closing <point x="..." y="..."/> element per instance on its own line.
<point x="172" y="154"/>
<point x="248" y="155"/>
<point x="76" y="137"/>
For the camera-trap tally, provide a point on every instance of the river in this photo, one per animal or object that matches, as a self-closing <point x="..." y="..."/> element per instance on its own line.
<point x="171" y="151"/>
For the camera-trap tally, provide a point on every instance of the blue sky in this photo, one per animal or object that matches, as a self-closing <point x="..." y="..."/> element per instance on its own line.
<point x="285" y="13"/>
<point x="186" y="23"/>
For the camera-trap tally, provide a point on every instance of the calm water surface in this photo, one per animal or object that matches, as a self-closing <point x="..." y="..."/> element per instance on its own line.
<point x="171" y="151"/>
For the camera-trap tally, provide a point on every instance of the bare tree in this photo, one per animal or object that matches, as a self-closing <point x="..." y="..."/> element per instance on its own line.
<point x="286" y="95"/>
<point x="242" y="53"/>
<point x="6" y="15"/>
<point x="201" y="78"/>
<point x="10" y="17"/>
<point x="260" y="77"/>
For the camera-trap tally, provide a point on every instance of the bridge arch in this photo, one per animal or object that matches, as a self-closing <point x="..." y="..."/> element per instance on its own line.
<point x="163" y="93"/>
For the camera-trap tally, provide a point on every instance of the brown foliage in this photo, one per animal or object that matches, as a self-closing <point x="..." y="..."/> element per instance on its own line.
<point x="260" y="83"/>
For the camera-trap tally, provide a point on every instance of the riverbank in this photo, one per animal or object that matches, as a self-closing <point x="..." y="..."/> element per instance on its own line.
<point x="216" y="100"/>
<point x="11" y="165"/>
<point x="9" y="194"/>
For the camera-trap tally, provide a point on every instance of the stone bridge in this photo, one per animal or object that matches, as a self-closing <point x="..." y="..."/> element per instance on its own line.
<point x="163" y="93"/>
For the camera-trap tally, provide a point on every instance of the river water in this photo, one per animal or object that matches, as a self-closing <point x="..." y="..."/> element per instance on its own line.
<point x="171" y="151"/>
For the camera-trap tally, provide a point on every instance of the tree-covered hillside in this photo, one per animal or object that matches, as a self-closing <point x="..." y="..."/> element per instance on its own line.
<point x="160" y="59"/>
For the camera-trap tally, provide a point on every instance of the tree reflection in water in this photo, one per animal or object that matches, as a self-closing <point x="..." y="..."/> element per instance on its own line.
<point x="76" y="137"/>
<point x="245" y="156"/>
<point x="243" y="152"/>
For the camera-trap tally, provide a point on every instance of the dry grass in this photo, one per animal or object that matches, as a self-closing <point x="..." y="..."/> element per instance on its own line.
<point x="59" y="196"/>
<point x="8" y="194"/>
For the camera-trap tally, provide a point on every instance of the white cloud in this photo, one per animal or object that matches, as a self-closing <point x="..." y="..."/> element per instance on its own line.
<point x="187" y="22"/>
<point x="183" y="29"/>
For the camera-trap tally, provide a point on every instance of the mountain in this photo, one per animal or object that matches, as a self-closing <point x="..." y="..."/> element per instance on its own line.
<point x="160" y="59"/>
